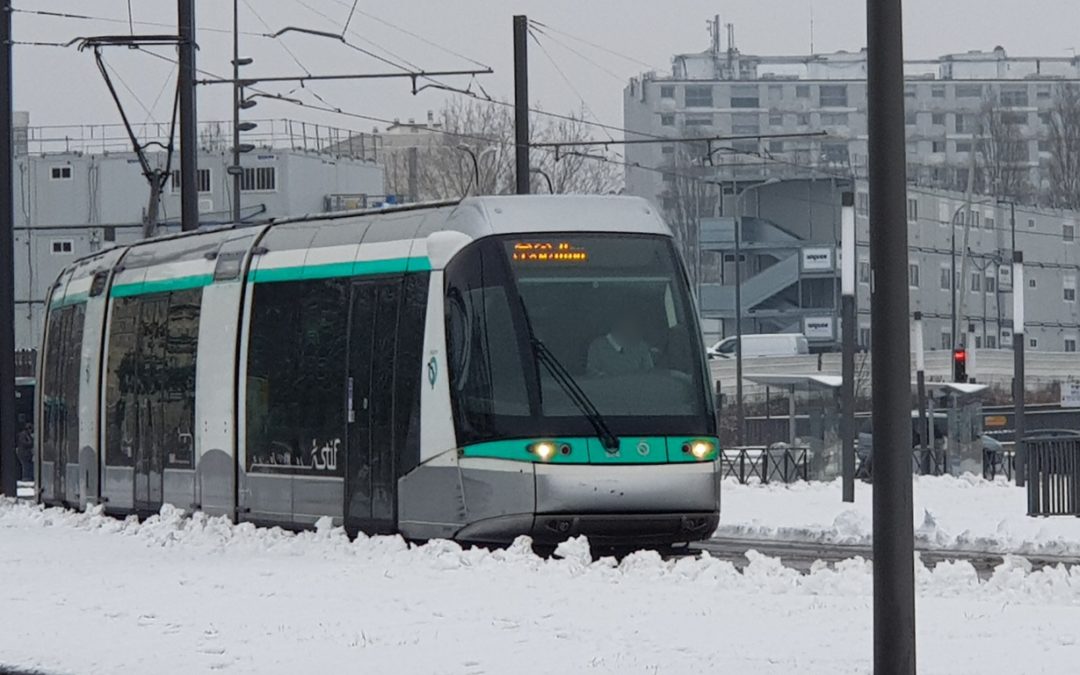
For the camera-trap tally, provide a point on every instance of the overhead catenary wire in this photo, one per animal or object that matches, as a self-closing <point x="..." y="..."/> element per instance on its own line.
<point x="584" y="104"/>
<point x="594" y="45"/>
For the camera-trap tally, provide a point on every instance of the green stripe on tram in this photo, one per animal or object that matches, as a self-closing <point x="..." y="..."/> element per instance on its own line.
<point x="340" y="269"/>
<point x="579" y="450"/>
<point x="161" y="285"/>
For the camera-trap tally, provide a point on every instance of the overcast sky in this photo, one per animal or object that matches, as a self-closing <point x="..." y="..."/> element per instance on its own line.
<point x="62" y="87"/>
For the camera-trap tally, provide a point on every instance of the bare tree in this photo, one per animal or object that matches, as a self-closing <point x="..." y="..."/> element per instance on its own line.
<point x="484" y="130"/>
<point x="1064" y="191"/>
<point x="1004" y="152"/>
<point x="686" y="199"/>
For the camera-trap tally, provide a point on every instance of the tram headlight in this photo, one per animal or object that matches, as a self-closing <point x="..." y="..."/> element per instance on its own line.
<point x="544" y="450"/>
<point x="701" y="450"/>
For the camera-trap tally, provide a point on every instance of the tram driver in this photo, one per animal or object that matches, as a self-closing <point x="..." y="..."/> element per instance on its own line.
<point x="622" y="350"/>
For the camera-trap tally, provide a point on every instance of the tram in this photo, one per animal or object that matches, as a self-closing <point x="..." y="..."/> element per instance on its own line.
<point x="475" y="370"/>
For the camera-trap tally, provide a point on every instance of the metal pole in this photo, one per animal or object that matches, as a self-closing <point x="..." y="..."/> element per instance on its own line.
<point x="9" y="465"/>
<point x="521" y="103"/>
<point x="952" y="280"/>
<point x="920" y="383"/>
<point x="740" y="417"/>
<point x="847" y="325"/>
<point x="237" y="171"/>
<point x="189" y="134"/>
<point x="894" y="574"/>
<point x="1018" y="368"/>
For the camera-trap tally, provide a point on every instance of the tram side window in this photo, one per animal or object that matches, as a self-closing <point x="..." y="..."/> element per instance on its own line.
<point x="410" y="370"/>
<point x="50" y="387"/>
<point x="121" y="383"/>
<point x="69" y="404"/>
<point x="382" y="371"/>
<point x="296" y="375"/>
<point x="177" y="385"/>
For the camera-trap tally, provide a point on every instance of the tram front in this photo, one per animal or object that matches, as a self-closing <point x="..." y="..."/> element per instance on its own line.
<point x="577" y="365"/>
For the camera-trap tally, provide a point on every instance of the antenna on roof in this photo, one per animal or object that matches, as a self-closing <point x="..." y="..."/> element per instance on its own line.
<point x="811" y="27"/>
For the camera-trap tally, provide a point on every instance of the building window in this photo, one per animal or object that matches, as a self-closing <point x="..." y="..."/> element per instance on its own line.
<point x="1014" y="118"/>
<point x="698" y="121"/>
<point x="1031" y="222"/>
<point x="667" y="91"/>
<point x="745" y="125"/>
<point x="991" y="342"/>
<point x="976" y="282"/>
<point x="833" y="95"/>
<point x="1045" y="146"/>
<point x="913" y="275"/>
<point x="963" y="146"/>
<point x="803" y="119"/>
<point x="912" y="210"/>
<point x="862" y="203"/>
<point x="978" y="342"/>
<point x="909" y="91"/>
<point x="744" y="96"/>
<point x="1031" y="283"/>
<point x="937" y="119"/>
<point x="966" y="123"/>
<point x="864" y="271"/>
<point x="802" y="91"/>
<point x="1068" y="232"/>
<point x="946" y="276"/>
<point x="938" y="146"/>
<point x="834" y="119"/>
<point x="864" y="337"/>
<point x="202" y="179"/>
<point x="109" y="233"/>
<point x="1044" y="119"/>
<point x="1042" y="92"/>
<point x="62" y="246"/>
<point x="776" y="119"/>
<point x="1006" y="337"/>
<point x="776" y="93"/>
<point x="259" y="178"/>
<point x="991" y="283"/>
<point x="1014" y="96"/>
<point x="1070" y="344"/>
<point x="988" y="222"/>
<point x="834" y="153"/>
<point x="946" y="340"/>
<point x="1033" y="343"/>
<point x="699" y="96"/>
<point x="1069" y="288"/>
<point x="776" y="147"/>
<point x="910" y="117"/>
<point x="667" y="149"/>
<point x="60" y="173"/>
<point x="969" y="91"/>
<point x="937" y="91"/>
<point x="667" y="120"/>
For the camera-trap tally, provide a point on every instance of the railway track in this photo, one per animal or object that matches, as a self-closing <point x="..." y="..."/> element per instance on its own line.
<point x="801" y="555"/>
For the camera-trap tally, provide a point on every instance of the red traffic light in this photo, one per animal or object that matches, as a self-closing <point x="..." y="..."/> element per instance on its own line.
<point x="959" y="355"/>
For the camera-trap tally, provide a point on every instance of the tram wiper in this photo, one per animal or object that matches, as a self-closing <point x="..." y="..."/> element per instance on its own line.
<point x="574" y="391"/>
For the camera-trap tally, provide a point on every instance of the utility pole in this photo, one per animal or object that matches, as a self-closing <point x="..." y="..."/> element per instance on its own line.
<point x="920" y="384"/>
<point x="1020" y="461"/>
<point x="521" y="103"/>
<point x="189" y="134"/>
<point x="235" y="170"/>
<point x="894" y="573"/>
<point x="9" y="465"/>
<point x="847" y="325"/>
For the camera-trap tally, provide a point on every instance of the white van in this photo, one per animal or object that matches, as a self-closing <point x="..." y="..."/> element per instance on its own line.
<point x="769" y="344"/>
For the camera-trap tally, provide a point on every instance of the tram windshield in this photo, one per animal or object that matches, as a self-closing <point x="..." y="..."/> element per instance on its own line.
<point x="613" y="310"/>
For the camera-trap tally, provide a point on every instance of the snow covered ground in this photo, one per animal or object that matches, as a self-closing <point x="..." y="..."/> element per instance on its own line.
<point x="962" y="513"/>
<point x="83" y="593"/>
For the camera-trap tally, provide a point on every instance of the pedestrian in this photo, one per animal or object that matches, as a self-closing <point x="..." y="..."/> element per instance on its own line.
<point x="24" y="445"/>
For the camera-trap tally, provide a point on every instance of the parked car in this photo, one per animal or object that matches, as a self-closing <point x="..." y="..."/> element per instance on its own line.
<point x="767" y="344"/>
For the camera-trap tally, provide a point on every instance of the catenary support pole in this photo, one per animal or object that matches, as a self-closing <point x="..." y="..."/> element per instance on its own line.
<point x="1018" y="368"/>
<point x="521" y="104"/>
<point x="9" y="463"/>
<point x="189" y="136"/>
<point x="847" y="327"/>
<point x="894" y="573"/>
<point x="237" y="172"/>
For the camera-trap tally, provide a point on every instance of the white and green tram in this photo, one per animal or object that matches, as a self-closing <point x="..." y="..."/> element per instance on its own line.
<point x="477" y="371"/>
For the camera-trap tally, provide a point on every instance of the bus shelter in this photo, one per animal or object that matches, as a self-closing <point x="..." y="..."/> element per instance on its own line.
<point x="954" y="419"/>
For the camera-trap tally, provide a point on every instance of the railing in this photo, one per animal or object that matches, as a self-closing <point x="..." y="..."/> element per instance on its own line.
<point x="1053" y="468"/>
<point x="785" y="465"/>
<point x="999" y="463"/>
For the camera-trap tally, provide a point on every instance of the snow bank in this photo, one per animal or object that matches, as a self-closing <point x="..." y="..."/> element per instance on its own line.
<point x="962" y="513"/>
<point x="180" y="595"/>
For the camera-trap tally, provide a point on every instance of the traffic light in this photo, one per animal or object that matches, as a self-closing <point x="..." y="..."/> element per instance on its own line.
<point x="959" y="365"/>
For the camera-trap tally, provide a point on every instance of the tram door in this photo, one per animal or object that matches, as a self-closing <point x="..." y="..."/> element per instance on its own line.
<point x="370" y="485"/>
<point x="147" y="452"/>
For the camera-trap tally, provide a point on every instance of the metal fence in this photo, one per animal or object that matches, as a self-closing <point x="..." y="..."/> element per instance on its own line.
<point x="1053" y="466"/>
<point x="999" y="463"/>
<point x="786" y="465"/>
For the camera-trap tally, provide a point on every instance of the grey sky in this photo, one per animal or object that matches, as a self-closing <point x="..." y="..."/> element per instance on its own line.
<point x="62" y="87"/>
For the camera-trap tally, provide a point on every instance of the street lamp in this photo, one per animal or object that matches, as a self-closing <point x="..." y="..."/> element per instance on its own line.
<point x="476" y="162"/>
<point x="536" y="170"/>
<point x="739" y="412"/>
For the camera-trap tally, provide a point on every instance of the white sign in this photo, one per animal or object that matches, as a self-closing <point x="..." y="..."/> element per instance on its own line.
<point x="1070" y="394"/>
<point x="818" y="328"/>
<point x="1005" y="282"/>
<point x="817" y="259"/>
